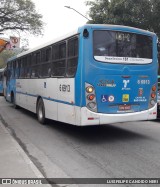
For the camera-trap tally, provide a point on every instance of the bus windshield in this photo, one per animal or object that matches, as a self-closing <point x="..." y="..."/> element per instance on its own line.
<point x="122" y="47"/>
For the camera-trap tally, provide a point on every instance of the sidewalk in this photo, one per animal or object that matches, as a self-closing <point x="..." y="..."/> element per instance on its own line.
<point x="14" y="163"/>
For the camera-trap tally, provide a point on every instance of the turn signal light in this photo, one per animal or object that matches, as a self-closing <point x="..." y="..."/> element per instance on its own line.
<point x="154" y="88"/>
<point x="89" y="89"/>
<point x="153" y="96"/>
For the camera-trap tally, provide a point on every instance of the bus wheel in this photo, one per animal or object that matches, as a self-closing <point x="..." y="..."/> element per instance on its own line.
<point x="13" y="100"/>
<point x="41" y="111"/>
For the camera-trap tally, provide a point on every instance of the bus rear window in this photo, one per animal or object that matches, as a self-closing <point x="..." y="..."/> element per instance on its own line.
<point x="122" y="47"/>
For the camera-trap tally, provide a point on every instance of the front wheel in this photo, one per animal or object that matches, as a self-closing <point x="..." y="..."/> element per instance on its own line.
<point x="41" y="112"/>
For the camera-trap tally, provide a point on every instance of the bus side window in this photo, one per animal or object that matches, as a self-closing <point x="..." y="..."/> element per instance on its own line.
<point x="72" y="60"/>
<point x="45" y="60"/>
<point x="38" y="66"/>
<point x="25" y="67"/>
<point x="14" y="69"/>
<point x="17" y="69"/>
<point x="34" y="72"/>
<point x="11" y="65"/>
<point x="37" y="57"/>
<point x="28" y="66"/>
<point x="55" y="57"/>
<point x="21" y="68"/>
<point x="8" y="74"/>
<point x="34" y="69"/>
<point x="1" y="76"/>
<point x="59" y="60"/>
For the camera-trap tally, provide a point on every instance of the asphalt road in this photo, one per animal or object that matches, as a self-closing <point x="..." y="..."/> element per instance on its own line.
<point x="130" y="149"/>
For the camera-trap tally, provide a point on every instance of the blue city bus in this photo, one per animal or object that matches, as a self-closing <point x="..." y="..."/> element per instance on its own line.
<point x="158" y="98"/>
<point x="1" y="81"/>
<point x="98" y="74"/>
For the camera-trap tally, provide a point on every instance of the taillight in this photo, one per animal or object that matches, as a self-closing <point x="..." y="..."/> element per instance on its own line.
<point x="90" y="98"/>
<point x="153" y="96"/>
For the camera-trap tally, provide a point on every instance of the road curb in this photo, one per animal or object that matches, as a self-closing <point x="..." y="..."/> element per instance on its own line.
<point x="27" y="160"/>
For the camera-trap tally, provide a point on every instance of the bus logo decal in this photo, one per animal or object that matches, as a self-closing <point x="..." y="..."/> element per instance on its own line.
<point x="106" y="83"/>
<point x="125" y="98"/>
<point x="111" y="98"/>
<point x="140" y="92"/>
<point x="104" y="98"/>
<point x="126" y="82"/>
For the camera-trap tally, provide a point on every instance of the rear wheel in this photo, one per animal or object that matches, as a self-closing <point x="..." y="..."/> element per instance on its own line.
<point x="41" y="111"/>
<point x="13" y="100"/>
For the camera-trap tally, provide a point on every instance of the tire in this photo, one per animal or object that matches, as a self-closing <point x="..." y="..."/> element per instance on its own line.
<point x="14" y="101"/>
<point x="41" y="112"/>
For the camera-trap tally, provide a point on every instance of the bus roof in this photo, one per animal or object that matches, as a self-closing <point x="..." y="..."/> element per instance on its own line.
<point x="123" y="27"/>
<point x="93" y="26"/>
<point x="49" y="43"/>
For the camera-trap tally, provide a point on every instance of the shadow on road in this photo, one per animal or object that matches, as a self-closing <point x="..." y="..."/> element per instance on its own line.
<point x="96" y="134"/>
<point x="91" y="134"/>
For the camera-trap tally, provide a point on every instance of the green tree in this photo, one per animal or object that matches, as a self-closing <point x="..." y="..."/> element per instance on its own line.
<point x="20" y="15"/>
<point x="4" y="56"/>
<point x="144" y="14"/>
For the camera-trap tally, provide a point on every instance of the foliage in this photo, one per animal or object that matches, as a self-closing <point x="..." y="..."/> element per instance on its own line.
<point x="143" y="14"/>
<point x="4" y="56"/>
<point x="20" y="15"/>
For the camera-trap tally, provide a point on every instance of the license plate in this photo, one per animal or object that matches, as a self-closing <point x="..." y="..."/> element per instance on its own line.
<point x="124" y="107"/>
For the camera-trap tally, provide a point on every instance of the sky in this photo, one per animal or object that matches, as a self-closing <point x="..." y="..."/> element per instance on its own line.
<point x="58" y="20"/>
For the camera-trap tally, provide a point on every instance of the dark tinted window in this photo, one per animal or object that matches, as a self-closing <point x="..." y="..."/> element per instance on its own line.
<point x="43" y="55"/>
<point x="17" y="69"/>
<point x="21" y="67"/>
<point x="28" y="67"/>
<point x="33" y="58"/>
<point x="45" y="70"/>
<point x="1" y="76"/>
<point x="35" y="72"/>
<point x="59" y="60"/>
<point x="72" y="60"/>
<point x="37" y="57"/>
<point x="122" y="44"/>
<point x="62" y="51"/>
<point x="55" y="52"/>
<point x="45" y="67"/>
<point x="46" y="54"/>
